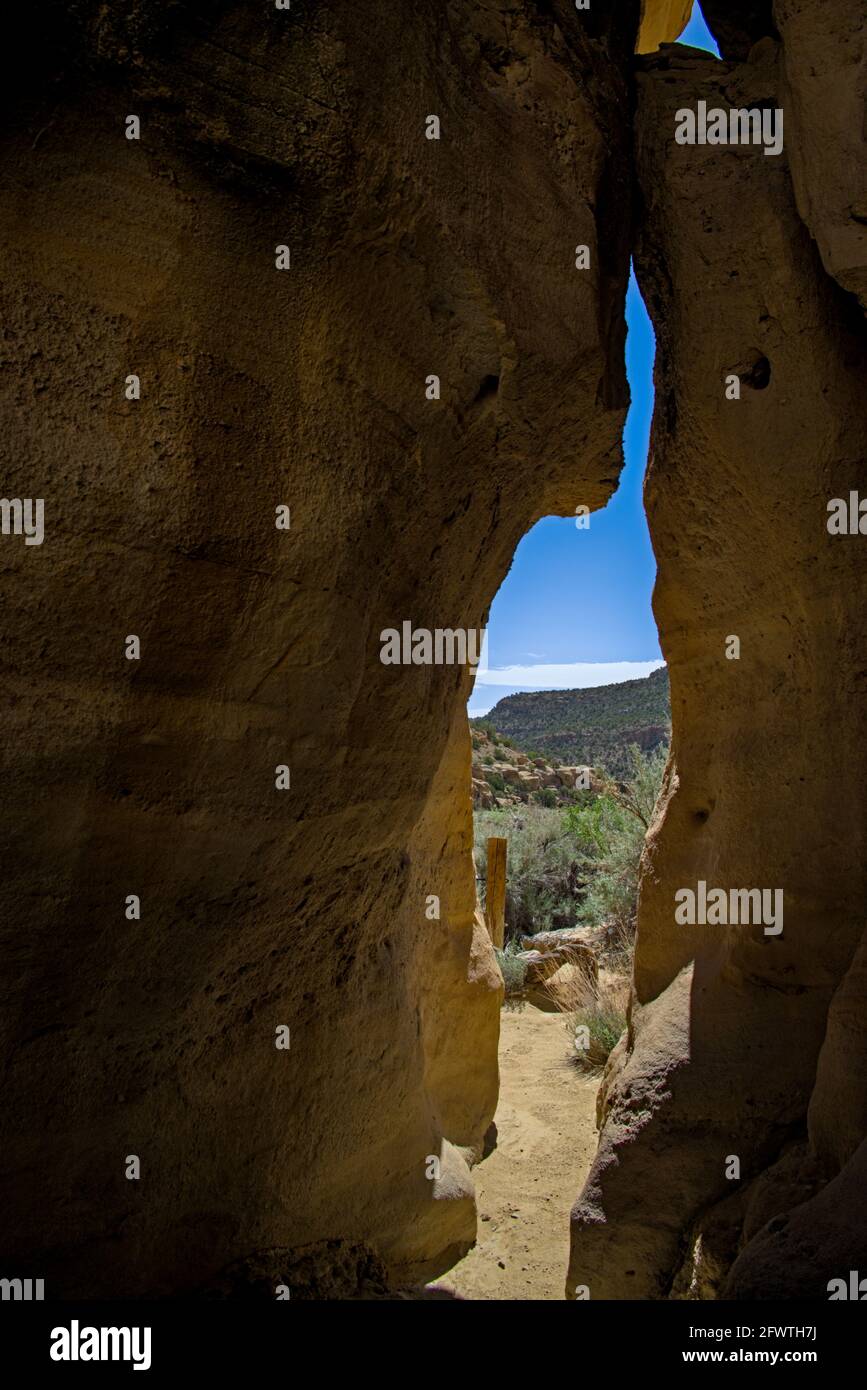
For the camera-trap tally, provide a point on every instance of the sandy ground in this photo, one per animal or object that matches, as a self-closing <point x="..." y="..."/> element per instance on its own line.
<point x="546" y="1123"/>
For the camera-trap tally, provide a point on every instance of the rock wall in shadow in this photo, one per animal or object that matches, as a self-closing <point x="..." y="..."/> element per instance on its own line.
<point x="730" y="1050"/>
<point x="260" y="648"/>
<point x="309" y="388"/>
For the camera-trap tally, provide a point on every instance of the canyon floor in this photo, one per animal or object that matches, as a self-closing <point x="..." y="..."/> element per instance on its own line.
<point x="546" y="1139"/>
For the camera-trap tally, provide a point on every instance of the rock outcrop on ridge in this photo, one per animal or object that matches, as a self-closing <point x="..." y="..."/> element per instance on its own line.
<point x="503" y="776"/>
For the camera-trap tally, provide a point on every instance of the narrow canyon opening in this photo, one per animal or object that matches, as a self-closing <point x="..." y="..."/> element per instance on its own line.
<point x="570" y="728"/>
<point x="311" y="313"/>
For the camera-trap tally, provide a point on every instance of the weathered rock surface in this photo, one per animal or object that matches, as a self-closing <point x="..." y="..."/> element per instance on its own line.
<point x="259" y="647"/>
<point x="824" y="91"/>
<point x="799" y="1253"/>
<point x="729" y="1034"/>
<point x="313" y="907"/>
<point x="504" y="777"/>
<point x="553" y="940"/>
<point x="561" y="991"/>
<point x="662" y="21"/>
<point x="556" y="975"/>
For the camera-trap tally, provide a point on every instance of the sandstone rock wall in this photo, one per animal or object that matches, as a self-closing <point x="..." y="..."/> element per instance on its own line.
<point x="730" y="1045"/>
<point x="824" y="87"/>
<point x="662" y="21"/>
<point x="260" y="647"/>
<point x="306" y="388"/>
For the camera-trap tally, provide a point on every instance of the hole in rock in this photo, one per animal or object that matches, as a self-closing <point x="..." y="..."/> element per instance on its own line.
<point x="758" y="375"/>
<point x="570" y="726"/>
<point x="489" y="387"/>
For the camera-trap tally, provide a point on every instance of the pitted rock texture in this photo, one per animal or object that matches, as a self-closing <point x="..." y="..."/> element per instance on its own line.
<point x="306" y="388"/>
<point x="824" y="90"/>
<point x="260" y="647"/>
<point x="729" y="1034"/>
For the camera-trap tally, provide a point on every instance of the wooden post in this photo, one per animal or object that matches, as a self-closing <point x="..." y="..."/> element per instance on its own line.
<point x="495" y="894"/>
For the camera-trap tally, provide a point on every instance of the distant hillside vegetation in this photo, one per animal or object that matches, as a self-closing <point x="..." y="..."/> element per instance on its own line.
<point x="592" y="727"/>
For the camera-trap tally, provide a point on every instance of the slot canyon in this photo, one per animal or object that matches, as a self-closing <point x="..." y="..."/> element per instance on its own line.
<point x="303" y="388"/>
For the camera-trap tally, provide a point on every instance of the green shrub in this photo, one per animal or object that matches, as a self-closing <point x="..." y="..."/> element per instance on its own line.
<point x="602" y="1012"/>
<point x="546" y="796"/>
<point x="543" y="882"/>
<point x="578" y="865"/>
<point x="513" y="970"/>
<point x="610" y="832"/>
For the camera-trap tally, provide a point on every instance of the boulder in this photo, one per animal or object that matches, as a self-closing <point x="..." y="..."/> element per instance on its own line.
<point x="559" y="992"/>
<point x="577" y="962"/>
<point x="569" y="777"/>
<point x="546" y="941"/>
<point x="530" y="781"/>
<point x="483" y="794"/>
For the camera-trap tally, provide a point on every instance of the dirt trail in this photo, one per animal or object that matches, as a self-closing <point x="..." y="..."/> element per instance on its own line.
<point x="546" y="1141"/>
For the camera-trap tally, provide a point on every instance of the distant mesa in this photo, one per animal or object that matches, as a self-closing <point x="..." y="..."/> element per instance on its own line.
<point x="568" y="729"/>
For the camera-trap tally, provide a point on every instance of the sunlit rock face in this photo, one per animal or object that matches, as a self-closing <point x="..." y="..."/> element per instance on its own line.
<point x="823" y="88"/>
<point x="744" y="1044"/>
<point x="824" y="70"/>
<point x="265" y="906"/>
<point x="662" y="21"/>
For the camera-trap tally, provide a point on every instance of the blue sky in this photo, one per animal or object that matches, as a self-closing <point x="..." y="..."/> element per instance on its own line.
<point x="697" y="33"/>
<point x="574" y="609"/>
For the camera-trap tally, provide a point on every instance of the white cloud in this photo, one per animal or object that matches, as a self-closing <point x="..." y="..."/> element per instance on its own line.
<point x="575" y="675"/>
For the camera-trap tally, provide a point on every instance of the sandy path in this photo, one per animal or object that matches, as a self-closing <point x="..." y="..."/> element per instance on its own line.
<point x="546" y="1140"/>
